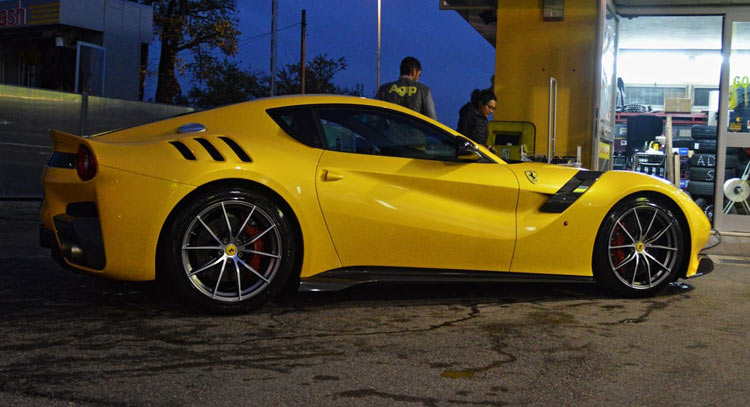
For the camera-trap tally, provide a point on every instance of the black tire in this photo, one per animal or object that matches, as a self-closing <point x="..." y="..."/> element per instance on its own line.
<point x="705" y="146"/>
<point x="709" y="160"/>
<point x="709" y="210"/>
<point x="730" y="173"/>
<point x="710" y="146"/>
<point x="702" y="203"/>
<point x="703" y="132"/>
<point x="732" y="161"/>
<point x="703" y="160"/>
<point x="237" y="234"/>
<point x="700" y="188"/>
<point x="709" y="174"/>
<point x="686" y="142"/>
<point x="640" y="247"/>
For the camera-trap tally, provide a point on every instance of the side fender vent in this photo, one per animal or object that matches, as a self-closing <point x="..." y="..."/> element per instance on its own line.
<point x="183" y="150"/>
<point x="241" y="154"/>
<point x="570" y="192"/>
<point x="215" y="154"/>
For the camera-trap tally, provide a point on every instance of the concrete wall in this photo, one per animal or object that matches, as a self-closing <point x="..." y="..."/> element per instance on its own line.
<point x="27" y="114"/>
<point x="125" y="26"/>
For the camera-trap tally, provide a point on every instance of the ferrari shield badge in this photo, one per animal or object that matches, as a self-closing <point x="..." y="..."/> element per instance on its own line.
<point x="531" y="175"/>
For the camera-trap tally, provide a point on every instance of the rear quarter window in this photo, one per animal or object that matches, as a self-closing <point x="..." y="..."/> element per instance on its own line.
<point x="298" y="122"/>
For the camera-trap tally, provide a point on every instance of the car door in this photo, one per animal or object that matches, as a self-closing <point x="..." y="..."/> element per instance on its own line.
<point x="393" y="194"/>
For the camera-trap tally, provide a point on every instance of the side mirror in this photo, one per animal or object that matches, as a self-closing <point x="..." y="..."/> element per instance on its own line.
<point x="467" y="151"/>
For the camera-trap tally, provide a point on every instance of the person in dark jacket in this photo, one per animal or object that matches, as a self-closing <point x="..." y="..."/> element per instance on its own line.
<point x="472" y="121"/>
<point x="407" y="92"/>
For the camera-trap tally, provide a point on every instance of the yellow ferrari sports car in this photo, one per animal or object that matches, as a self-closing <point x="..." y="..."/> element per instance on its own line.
<point x="230" y="206"/>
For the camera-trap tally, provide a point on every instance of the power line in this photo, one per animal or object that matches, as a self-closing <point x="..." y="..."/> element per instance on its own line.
<point x="259" y="36"/>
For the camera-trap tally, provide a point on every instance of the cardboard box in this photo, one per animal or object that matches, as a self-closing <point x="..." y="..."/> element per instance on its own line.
<point x="678" y="105"/>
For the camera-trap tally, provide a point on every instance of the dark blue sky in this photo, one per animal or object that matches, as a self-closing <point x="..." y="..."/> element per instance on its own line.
<point x="455" y="58"/>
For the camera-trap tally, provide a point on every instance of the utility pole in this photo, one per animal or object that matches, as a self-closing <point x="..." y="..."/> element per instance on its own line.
<point x="302" y="56"/>
<point x="274" y="16"/>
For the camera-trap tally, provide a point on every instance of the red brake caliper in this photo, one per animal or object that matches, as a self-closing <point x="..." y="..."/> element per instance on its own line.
<point x="618" y="255"/>
<point x="257" y="246"/>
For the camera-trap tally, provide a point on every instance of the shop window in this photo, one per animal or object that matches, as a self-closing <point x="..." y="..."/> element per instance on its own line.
<point x="700" y="96"/>
<point x="651" y="95"/>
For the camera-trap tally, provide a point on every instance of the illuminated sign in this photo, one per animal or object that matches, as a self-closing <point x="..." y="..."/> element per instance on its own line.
<point x="14" y="14"/>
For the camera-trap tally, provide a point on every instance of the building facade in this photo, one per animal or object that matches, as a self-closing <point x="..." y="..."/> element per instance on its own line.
<point x="94" y="46"/>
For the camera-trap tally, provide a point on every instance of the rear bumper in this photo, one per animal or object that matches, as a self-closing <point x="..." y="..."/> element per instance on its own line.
<point x="119" y="214"/>
<point x="79" y="239"/>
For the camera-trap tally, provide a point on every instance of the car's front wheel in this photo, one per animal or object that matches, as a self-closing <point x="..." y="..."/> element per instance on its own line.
<point x="640" y="247"/>
<point x="229" y="249"/>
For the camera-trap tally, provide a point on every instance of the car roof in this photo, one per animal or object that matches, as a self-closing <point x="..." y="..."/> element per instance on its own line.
<point x="327" y="99"/>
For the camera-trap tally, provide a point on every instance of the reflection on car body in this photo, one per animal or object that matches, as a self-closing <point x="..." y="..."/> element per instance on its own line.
<point x="323" y="192"/>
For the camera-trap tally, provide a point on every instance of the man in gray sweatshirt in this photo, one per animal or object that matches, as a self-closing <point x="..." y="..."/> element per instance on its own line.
<point x="407" y="91"/>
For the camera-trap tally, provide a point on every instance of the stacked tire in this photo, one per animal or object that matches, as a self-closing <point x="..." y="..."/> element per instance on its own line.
<point x="703" y="168"/>
<point x="702" y="175"/>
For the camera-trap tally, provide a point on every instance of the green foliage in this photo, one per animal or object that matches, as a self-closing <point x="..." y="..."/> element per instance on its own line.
<point x="222" y="83"/>
<point x="204" y="27"/>
<point x="318" y="77"/>
<point x="195" y="25"/>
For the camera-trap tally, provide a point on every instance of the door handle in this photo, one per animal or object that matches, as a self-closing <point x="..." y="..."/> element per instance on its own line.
<point x="329" y="175"/>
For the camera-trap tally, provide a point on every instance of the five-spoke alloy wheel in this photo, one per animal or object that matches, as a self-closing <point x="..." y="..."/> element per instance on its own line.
<point x="639" y="247"/>
<point x="230" y="250"/>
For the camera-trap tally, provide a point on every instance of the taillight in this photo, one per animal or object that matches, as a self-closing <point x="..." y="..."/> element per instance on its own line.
<point x="85" y="163"/>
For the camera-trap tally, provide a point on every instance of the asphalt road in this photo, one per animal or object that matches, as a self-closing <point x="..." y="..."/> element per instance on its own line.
<point x="68" y="339"/>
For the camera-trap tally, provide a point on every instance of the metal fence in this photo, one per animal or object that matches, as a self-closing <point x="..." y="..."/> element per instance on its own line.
<point x="27" y="114"/>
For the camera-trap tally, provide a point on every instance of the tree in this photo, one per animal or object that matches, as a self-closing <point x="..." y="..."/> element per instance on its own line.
<point x="190" y="25"/>
<point x="319" y="78"/>
<point x="223" y="83"/>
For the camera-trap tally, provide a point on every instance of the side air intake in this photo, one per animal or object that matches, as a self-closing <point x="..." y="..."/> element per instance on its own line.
<point x="241" y="154"/>
<point x="215" y="154"/>
<point x="183" y="150"/>
<point x="208" y="145"/>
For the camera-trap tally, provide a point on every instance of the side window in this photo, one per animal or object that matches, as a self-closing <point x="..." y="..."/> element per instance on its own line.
<point x="298" y="122"/>
<point x="379" y="132"/>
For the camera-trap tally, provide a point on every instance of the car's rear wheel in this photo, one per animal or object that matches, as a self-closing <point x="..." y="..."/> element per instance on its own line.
<point x="229" y="249"/>
<point x="639" y="248"/>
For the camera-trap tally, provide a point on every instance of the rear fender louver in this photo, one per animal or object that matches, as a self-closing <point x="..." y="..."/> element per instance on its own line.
<point x="215" y="154"/>
<point x="182" y="148"/>
<point x="241" y="154"/>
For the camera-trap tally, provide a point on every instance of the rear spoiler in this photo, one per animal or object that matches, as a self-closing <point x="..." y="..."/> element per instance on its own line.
<point x="66" y="142"/>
